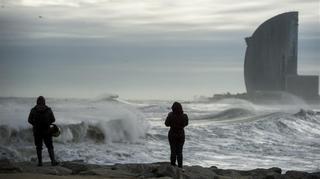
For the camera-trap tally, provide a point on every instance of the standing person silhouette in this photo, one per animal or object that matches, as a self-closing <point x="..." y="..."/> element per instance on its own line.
<point x="176" y="120"/>
<point x="41" y="117"/>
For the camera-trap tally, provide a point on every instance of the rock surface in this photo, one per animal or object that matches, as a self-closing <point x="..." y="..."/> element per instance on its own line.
<point x="161" y="170"/>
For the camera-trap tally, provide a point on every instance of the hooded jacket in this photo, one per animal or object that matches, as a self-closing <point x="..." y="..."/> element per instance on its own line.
<point x="40" y="117"/>
<point x="177" y="120"/>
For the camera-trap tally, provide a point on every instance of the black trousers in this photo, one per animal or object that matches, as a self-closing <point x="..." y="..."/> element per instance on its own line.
<point x="176" y="146"/>
<point x="39" y="138"/>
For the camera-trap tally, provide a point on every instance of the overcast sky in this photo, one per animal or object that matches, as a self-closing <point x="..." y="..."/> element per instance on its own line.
<point x="139" y="49"/>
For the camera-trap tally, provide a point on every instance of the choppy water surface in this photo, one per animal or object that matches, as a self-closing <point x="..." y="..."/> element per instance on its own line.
<point x="229" y="133"/>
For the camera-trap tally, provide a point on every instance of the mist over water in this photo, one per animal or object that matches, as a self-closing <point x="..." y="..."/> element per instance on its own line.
<point x="230" y="133"/>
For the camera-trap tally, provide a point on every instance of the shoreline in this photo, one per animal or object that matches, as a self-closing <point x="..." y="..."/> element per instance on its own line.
<point x="79" y="169"/>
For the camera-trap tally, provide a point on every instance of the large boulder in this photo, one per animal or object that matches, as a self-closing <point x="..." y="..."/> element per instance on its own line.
<point x="198" y="172"/>
<point x="166" y="170"/>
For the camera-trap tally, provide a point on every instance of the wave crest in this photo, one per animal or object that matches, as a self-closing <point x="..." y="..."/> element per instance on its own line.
<point x="120" y="130"/>
<point x="226" y="114"/>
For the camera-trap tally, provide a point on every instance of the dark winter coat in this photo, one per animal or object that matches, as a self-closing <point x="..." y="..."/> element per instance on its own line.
<point x="176" y="122"/>
<point x="40" y="117"/>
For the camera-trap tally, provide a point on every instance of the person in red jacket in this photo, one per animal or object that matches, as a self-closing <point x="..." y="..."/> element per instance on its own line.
<point x="176" y="120"/>
<point x="41" y="117"/>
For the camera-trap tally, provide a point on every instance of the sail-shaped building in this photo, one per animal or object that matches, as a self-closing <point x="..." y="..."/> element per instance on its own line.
<point x="271" y="59"/>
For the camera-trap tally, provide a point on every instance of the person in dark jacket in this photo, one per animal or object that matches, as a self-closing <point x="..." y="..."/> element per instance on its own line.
<point x="41" y="117"/>
<point x="176" y="120"/>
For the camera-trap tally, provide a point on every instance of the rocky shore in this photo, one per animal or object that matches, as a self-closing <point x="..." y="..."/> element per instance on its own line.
<point x="163" y="170"/>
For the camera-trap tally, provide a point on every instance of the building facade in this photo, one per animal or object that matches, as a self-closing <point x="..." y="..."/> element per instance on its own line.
<point x="271" y="59"/>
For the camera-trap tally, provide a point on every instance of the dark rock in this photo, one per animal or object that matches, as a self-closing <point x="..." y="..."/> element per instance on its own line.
<point x="77" y="167"/>
<point x="263" y="173"/>
<point x="165" y="170"/>
<point x="199" y="173"/>
<point x="315" y="175"/>
<point x="230" y="173"/>
<point x="159" y="169"/>
<point x="138" y="168"/>
<point x="108" y="172"/>
<point x="7" y="167"/>
<point x="275" y="169"/>
<point x="150" y="170"/>
<point x="143" y="170"/>
<point x="270" y="177"/>
<point x="301" y="175"/>
<point x="26" y="167"/>
<point x="272" y="173"/>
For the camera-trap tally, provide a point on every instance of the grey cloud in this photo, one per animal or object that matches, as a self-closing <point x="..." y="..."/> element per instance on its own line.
<point x="234" y="10"/>
<point x="303" y="2"/>
<point x="96" y="21"/>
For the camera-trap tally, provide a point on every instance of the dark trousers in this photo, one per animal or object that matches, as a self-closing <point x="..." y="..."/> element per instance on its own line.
<point x="176" y="146"/>
<point x="39" y="138"/>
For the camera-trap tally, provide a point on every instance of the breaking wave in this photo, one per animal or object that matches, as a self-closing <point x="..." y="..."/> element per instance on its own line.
<point x="226" y="114"/>
<point x="282" y="125"/>
<point x="120" y="130"/>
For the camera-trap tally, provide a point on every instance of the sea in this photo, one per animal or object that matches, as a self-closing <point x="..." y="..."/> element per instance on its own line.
<point x="227" y="133"/>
